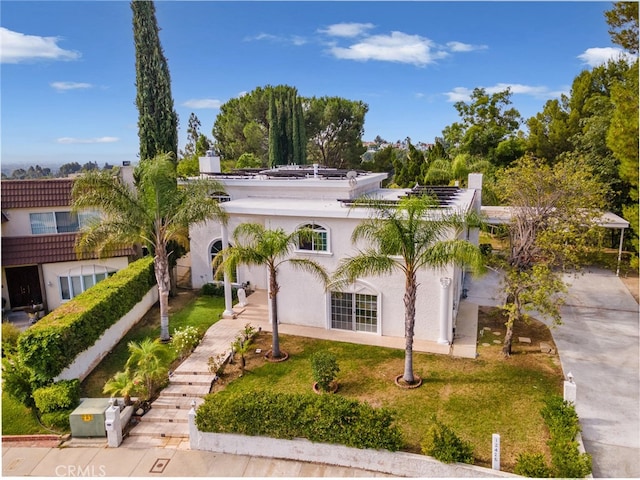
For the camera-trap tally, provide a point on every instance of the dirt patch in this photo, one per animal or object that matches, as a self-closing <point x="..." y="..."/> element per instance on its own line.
<point x="631" y="281"/>
<point x="534" y="334"/>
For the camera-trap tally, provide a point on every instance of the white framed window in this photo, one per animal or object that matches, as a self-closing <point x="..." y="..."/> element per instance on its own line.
<point x="355" y="310"/>
<point x="80" y="279"/>
<point x="220" y="197"/>
<point x="60" y="222"/>
<point x="319" y="241"/>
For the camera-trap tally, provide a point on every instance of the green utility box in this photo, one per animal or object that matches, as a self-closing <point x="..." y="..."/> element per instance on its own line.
<point x="88" y="419"/>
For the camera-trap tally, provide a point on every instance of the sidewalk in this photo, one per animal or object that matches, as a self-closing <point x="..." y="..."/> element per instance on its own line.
<point x="156" y="462"/>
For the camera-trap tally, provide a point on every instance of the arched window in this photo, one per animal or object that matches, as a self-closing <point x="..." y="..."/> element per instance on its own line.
<point x="215" y="248"/>
<point x="81" y="278"/>
<point x="319" y="240"/>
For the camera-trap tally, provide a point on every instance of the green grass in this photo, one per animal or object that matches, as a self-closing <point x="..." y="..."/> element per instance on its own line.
<point x="201" y="312"/>
<point x="476" y="398"/>
<point x="18" y="419"/>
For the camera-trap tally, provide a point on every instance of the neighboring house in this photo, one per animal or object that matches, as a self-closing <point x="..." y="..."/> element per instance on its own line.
<point x="39" y="263"/>
<point x="294" y="197"/>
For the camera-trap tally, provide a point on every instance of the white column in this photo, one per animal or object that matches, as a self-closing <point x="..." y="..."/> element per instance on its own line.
<point x="443" y="338"/>
<point x="228" y="302"/>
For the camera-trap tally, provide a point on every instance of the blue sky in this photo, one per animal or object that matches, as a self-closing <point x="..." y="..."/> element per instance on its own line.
<point x="68" y="68"/>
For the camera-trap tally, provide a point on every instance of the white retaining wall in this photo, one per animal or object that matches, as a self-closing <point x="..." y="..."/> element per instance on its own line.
<point x="393" y="463"/>
<point x="86" y="361"/>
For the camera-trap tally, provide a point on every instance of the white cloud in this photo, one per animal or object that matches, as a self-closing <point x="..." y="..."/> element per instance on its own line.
<point x="464" y="47"/>
<point x="599" y="56"/>
<point x="463" y="94"/>
<point x="293" y="39"/>
<point x="347" y="29"/>
<point x="18" y="47"/>
<point x="202" y="103"/>
<point x="70" y="140"/>
<point x="63" y="86"/>
<point x="396" y="47"/>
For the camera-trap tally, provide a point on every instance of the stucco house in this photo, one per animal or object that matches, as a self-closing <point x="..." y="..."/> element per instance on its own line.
<point x="39" y="263"/>
<point x="293" y="197"/>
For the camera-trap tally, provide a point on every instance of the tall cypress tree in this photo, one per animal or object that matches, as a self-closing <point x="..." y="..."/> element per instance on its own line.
<point x="287" y="139"/>
<point x="157" y="119"/>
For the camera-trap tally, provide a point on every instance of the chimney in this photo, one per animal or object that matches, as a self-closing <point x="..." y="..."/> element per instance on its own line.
<point x="210" y="163"/>
<point x="126" y="173"/>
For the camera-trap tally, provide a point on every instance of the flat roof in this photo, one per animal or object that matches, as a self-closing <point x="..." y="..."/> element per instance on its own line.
<point x="500" y="215"/>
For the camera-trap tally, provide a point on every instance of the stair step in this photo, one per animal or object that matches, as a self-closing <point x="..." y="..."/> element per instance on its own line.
<point x="165" y="415"/>
<point x="160" y="430"/>
<point x="186" y="390"/>
<point x="175" y="403"/>
<point x="184" y="379"/>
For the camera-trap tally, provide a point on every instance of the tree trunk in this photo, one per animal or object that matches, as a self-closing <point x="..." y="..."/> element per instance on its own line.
<point x="273" y="294"/>
<point x="409" y="324"/>
<point x="506" y="346"/>
<point x="161" y="266"/>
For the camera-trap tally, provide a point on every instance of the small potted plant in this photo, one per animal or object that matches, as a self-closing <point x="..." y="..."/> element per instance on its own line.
<point x="324" y="366"/>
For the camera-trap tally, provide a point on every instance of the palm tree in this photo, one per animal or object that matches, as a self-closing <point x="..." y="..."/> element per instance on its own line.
<point x="148" y="362"/>
<point x="156" y="213"/>
<point x="407" y="237"/>
<point x="120" y="384"/>
<point x="256" y="245"/>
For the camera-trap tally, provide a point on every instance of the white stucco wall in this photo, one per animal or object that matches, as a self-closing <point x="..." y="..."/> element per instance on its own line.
<point x="86" y="361"/>
<point x="52" y="271"/>
<point x="399" y="464"/>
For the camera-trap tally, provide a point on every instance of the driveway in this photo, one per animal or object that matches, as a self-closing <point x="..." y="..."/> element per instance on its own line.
<point x="599" y="343"/>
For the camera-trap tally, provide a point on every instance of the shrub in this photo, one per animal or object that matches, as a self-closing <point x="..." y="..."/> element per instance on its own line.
<point x="319" y="418"/>
<point x="217" y="290"/>
<point x="324" y="366"/>
<point x="10" y="335"/>
<point x="57" y="420"/>
<point x="50" y="345"/>
<point x="443" y="444"/>
<point x="184" y="340"/>
<point x="485" y="248"/>
<point x="16" y="380"/>
<point x="532" y="465"/>
<point x="562" y="420"/>
<point x="216" y="364"/>
<point x="61" y="395"/>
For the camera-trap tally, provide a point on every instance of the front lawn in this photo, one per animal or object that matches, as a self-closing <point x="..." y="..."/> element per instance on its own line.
<point x="475" y="397"/>
<point x="186" y="309"/>
<point x="18" y="419"/>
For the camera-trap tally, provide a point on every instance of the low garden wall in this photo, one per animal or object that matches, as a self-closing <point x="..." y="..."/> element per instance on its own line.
<point x="86" y="361"/>
<point x="392" y="463"/>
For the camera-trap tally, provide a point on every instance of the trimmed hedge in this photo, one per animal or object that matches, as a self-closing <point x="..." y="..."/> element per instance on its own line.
<point x="52" y="344"/>
<point x="62" y="395"/>
<point x="318" y="418"/>
<point x="443" y="444"/>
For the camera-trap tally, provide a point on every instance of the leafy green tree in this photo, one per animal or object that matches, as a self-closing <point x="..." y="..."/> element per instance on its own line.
<point x="248" y="160"/>
<point x="157" y="119"/>
<point x="406" y="238"/>
<point x="443" y="171"/>
<point x="553" y="219"/>
<point x="335" y="127"/>
<point x="623" y="25"/>
<point x="622" y="139"/>
<point x="549" y="130"/>
<point x="196" y="147"/>
<point x="69" y="168"/>
<point x="486" y="121"/>
<point x="411" y="169"/>
<point x="255" y="245"/>
<point x="154" y="214"/>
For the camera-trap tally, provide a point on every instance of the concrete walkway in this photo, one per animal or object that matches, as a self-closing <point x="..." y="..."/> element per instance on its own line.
<point x="598" y="342"/>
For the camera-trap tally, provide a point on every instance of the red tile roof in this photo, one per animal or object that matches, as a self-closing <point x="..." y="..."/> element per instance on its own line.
<point x="53" y="192"/>
<point x="38" y="249"/>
